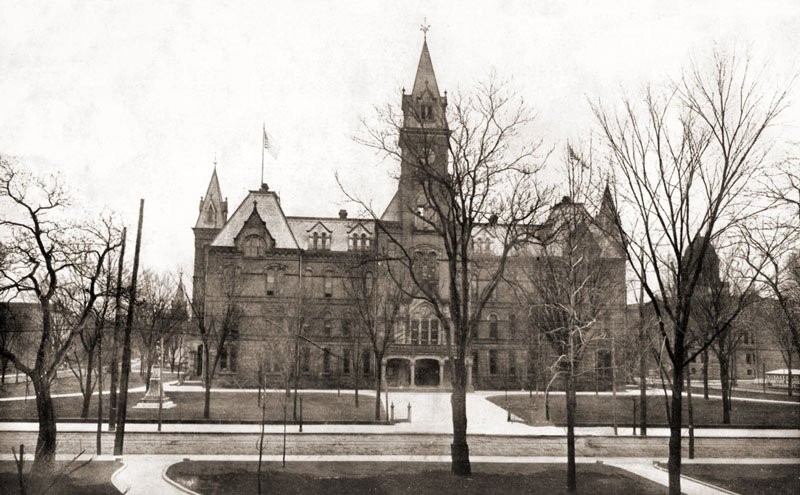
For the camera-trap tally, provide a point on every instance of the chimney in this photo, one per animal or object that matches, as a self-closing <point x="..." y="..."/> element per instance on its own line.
<point x="342" y="214"/>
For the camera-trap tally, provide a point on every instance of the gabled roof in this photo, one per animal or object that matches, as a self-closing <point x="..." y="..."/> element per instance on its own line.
<point x="425" y="79"/>
<point x="319" y="224"/>
<point x="269" y="210"/>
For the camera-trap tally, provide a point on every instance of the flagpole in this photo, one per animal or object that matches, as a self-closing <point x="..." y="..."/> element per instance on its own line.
<point x="263" y="145"/>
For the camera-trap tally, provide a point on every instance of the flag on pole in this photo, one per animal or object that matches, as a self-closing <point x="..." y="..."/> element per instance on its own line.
<point x="269" y="145"/>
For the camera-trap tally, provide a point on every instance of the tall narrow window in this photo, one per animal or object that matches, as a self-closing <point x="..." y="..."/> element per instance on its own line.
<point x="493" y="362"/>
<point x="326" y="325"/>
<point x="434" y="331"/>
<point x="493" y="327"/>
<point x="326" y="360"/>
<point x="512" y="326"/>
<point x="345" y="328"/>
<point x="325" y="245"/>
<point x="364" y="242"/>
<point x="368" y="282"/>
<point x="346" y="362"/>
<point x="270" y="281"/>
<point x="305" y="360"/>
<point x="328" y="283"/>
<point x="233" y="359"/>
<point x="415" y="331"/>
<point x="315" y="238"/>
<point x="366" y="362"/>
<point x="512" y="363"/>
<point x="223" y="358"/>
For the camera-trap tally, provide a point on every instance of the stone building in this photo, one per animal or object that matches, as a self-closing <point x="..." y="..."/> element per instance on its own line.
<point x="289" y="278"/>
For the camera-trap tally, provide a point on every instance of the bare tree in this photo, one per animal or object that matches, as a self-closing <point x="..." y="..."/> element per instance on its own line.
<point x="685" y="161"/>
<point x="376" y="303"/>
<point x="44" y="253"/>
<point x="218" y="324"/>
<point x="725" y="289"/>
<point x="475" y="167"/>
<point x="158" y="319"/>
<point x="572" y="289"/>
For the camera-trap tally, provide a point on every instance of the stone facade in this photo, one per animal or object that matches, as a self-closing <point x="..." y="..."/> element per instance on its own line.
<point x="291" y="280"/>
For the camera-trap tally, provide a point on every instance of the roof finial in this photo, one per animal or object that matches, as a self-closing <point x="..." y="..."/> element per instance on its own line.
<point x="215" y="160"/>
<point x="424" y="28"/>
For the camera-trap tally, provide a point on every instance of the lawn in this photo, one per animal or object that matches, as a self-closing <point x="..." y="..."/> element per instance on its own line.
<point x="597" y="410"/>
<point x="751" y="393"/>
<point x="65" y="383"/>
<point x="228" y="406"/>
<point x="775" y="479"/>
<point x="404" y="477"/>
<point x="91" y="479"/>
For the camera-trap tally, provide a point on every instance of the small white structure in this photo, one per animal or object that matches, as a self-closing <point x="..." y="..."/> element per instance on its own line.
<point x="155" y="393"/>
<point x="780" y="378"/>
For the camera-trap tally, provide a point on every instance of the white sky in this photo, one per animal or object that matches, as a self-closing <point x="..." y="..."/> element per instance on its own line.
<point x="135" y="99"/>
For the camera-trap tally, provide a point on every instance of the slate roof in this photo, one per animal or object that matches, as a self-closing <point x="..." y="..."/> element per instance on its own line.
<point x="269" y="209"/>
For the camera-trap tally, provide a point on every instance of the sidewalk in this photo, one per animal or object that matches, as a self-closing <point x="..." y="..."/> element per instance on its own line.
<point x="430" y="413"/>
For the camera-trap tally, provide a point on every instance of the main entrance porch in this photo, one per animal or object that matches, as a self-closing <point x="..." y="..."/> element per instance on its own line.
<point x="415" y="372"/>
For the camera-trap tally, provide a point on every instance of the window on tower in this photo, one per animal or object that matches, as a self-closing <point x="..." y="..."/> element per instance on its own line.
<point x="427" y="111"/>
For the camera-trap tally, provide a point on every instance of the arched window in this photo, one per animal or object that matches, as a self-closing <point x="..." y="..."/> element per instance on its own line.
<point x="254" y="246"/>
<point x="325" y="246"/>
<point x="315" y="241"/>
<point x="364" y="242"/>
<point x="271" y="286"/>
<point x="328" y="283"/>
<point x="211" y="213"/>
<point x="493" y="326"/>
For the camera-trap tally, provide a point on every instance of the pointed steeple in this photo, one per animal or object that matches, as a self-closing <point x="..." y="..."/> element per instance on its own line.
<point x="213" y="210"/>
<point x="425" y="78"/>
<point x="607" y="214"/>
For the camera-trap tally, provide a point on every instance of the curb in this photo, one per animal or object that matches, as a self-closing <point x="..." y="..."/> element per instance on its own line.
<point x="175" y="483"/>
<point x="699" y="482"/>
<point x="114" y="475"/>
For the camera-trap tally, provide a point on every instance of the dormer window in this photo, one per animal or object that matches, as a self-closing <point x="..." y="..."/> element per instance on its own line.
<point x="255" y="246"/>
<point x="320" y="238"/>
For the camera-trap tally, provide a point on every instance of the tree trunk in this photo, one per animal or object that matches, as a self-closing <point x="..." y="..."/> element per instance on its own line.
<point x="705" y="374"/>
<point x="724" y="378"/>
<point x="459" y="450"/>
<point x="790" y="373"/>
<point x="572" y="480"/>
<point x="675" y="426"/>
<point x="88" y="389"/>
<point x="206" y="382"/>
<point x="378" y="383"/>
<point x="4" y="365"/>
<point x="46" y="440"/>
<point x="642" y="394"/>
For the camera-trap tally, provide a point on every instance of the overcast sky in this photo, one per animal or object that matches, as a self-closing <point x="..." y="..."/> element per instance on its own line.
<point x="135" y="100"/>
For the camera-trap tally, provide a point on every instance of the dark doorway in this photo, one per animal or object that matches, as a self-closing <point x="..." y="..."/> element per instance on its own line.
<point x="426" y="373"/>
<point x="398" y="373"/>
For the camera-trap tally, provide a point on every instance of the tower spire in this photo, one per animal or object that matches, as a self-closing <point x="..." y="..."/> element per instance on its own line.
<point x="425" y="79"/>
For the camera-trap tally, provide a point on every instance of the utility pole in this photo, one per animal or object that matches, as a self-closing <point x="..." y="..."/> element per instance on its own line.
<point x="126" y="349"/>
<point x="112" y="398"/>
